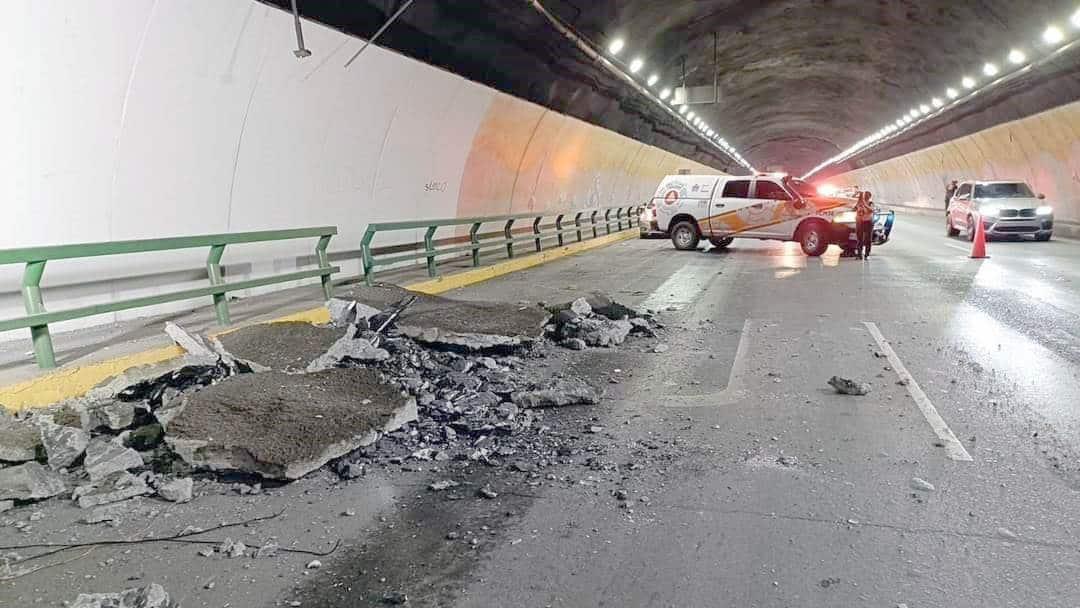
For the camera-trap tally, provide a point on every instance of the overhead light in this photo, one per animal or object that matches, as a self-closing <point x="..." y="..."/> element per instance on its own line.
<point x="990" y="69"/>
<point x="900" y="123"/>
<point x="653" y="80"/>
<point x="636" y="65"/>
<point x="1053" y="34"/>
<point x="952" y="93"/>
<point x="937" y="102"/>
<point x="690" y="116"/>
<point x="616" y="46"/>
<point x="968" y="82"/>
<point x="907" y="120"/>
<point x="665" y="93"/>
<point x="683" y="109"/>
<point x="914" y="113"/>
<point x="1076" y="18"/>
<point x="1016" y="56"/>
<point x="924" y="109"/>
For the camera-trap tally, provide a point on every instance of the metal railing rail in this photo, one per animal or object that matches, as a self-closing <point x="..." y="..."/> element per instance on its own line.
<point x="37" y="318"/>
<point x="577" y="224"/>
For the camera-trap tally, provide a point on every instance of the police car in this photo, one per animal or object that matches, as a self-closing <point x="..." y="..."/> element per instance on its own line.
<point x="768" y="206"/>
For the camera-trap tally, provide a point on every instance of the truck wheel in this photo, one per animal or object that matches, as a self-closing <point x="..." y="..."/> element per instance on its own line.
<point x="950" y="230"/>
<point x="814" y="238"/>
<point x="722" y="243"/>
<point x="684" y="236"/>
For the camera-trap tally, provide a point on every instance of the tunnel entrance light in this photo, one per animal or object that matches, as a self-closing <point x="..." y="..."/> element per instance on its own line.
<point x="952" y="93"/>
<point x="665" y="93"/>
<point x="1016" y="56"/>
<point x="990" y="69"/>
<point x="968" y="82"/>
<point x="636" y="65"/>
<point x="616" y="46"/>
<point x="1053" y="35"/>
<point x="653" y="79"/>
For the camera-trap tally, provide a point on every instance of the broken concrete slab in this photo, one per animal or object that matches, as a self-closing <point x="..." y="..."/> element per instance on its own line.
<point x="595" y="331"/>
<point x="151" y="596"/>
<point x="6" y="505"/>
<point x="20" y="440"/>
<point x="348" y="349"/>
<point x="177" y="490"/>
<point x="63" y="444"/>
<point x="104" y="457"/>
<point x="580" y="307"/>
<point x="30" y="481"/>
<point x="114" y="415"/>
<point x="192" y="343"/>
<point x="281" y="346"/>
<point x="349" y="312"/>
<point x="117" y="486"/>
<point x="283" y="426"/>
<point x="558" y="392"/>
<point x="113" y="512"/>
<point x="464" y="341"/>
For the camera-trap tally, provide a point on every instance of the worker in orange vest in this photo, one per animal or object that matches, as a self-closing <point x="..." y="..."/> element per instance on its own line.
<point x="864" y="224"/>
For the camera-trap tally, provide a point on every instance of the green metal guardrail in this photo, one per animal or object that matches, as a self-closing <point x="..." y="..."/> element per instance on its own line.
<point x="38" y="319"/>
<point x="593" y="220"/>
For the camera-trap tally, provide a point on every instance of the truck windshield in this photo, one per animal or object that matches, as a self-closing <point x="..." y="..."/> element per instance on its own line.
<point x="1009" y="190"/>
<point x="800" y="187"/>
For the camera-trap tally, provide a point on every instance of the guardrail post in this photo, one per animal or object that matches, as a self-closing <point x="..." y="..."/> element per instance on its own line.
<point x="630" y="217"/>
<point x="475" y="240"/>
<point x="558" y="229"/>
<point x="577" y="222"/>
<point x="593" y="218"/>
<point x="536" y="231"/>
<point x="324" y="264"/>
<point x="31" y="290"/>
<point x="618" y="216"/>
<point x="508" y="232"/>
<point x="366" y="258"/>
<point x="213" y="270"/>
<point x="429" y="249"/>
<point x="607" y="220"/>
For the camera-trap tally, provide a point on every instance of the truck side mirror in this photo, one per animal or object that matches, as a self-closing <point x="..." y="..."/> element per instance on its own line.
<point x="799" y="203"/>
<point x="1042" y="197"/>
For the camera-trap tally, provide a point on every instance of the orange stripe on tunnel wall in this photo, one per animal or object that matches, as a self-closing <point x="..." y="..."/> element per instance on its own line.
<point x="1043" y="150"/>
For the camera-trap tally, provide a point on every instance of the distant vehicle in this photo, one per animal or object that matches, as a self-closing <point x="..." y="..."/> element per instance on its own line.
<point x="764" y="206"/>
<point x="647" y="222"/>
<point x="1006" y="209"/>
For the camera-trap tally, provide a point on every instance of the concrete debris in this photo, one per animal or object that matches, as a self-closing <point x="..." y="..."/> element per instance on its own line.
<point x="313" y="565"/>
<point x="487" y="492"/>
<point x="151" y="596"/>
<point x="1007" y="534"/>
<point x="63" y="444"/>
<point x="29" y="481"/>
<point x="266" y="551"/>
<point x="395" y="598"/>
<point x="110" y="513"/>
<point x="19" y="439"/>
<point x="283" y="426"/>
<point x="660" y="348"/>
<point x="145" y="437"/>
<point x="193" y="344"/>
<point x="574" y="344"/>
<point x="350" y="312"/>
<point x="557" y="393"/>
<point x="595" y="331"/>
<point x="116" y="487"/>
<point x="921" y="485"/>
<point x="465" y="341"/>
<point x="232" y="549"/>
<point x="6" y="505"/>
<point x="446" y="484"/>
<point x="114" y="415"/>
<point x="849" y="387"/>
<point x="182" y="379"/>
<point x="177" y="490"/>
<point x="580" y="307"/>
<point x="350" y="349"/>
<point x="349" y="470"/>
<point x="104" y="457"/>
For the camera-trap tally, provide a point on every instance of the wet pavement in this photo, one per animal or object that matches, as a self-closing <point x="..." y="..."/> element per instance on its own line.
<point x="724" y="471"/>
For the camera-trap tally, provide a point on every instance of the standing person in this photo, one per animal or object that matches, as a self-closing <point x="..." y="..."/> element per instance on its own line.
<point x="950" y="190"/>
<point x="864" y="224"/>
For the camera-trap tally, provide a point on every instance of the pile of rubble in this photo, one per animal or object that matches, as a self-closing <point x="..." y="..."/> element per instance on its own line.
<point x="434" y="379"/>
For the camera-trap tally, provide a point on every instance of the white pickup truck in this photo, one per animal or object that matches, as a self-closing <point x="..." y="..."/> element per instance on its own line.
<point x="779" y="207"/>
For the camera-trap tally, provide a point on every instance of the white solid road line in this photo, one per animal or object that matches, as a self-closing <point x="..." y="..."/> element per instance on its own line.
<point x="681" y="288"/>
<point x="953" y="448"/>
<point x="734" y="390"/>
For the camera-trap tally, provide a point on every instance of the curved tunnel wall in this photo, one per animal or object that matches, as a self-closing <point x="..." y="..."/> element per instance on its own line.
<point x="135" y="119"/>
<point x="1043" y="149"/>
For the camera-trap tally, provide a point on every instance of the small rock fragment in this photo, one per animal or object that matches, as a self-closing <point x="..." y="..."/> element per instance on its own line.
<point x="921" y="484"/>
<point x="395" y="598"/>
<point x="19" y="440"/>
<point x="267" y="550"/>
<point x="660" y="348"/>
<point x="849" y="387"/>
<point x="1007" y="534"/>
<point x="487" y="492"/>
<point x="103" y="458"/>
<point x="177" y="490"/>
<point x="151" y="596"/>
<point x="581" y="307"/>
<point x="118" y="486"/>
<point x="313" y="565"/>
<point x="445" y="484"/>
<point x="29" y="481"/>
<point x="63" y="444"/>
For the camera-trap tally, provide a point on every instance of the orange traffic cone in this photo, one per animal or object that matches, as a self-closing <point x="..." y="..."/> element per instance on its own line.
<point x="978" y="246"/>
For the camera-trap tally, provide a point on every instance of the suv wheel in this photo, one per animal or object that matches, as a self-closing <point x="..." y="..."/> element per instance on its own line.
<point x="814" y="239"/>
<point x="971" y="228"/>
<point x="722" y="243"/>
<point x="950" y="230"/>
<point x="684" y="236"/>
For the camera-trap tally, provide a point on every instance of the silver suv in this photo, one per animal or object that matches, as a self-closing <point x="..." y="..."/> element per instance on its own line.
<point x="1006" y="209"/>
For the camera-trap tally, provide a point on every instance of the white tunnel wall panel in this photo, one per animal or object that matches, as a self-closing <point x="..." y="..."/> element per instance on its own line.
<point x="1043" y="149"/>
<point x="145" y="118"/>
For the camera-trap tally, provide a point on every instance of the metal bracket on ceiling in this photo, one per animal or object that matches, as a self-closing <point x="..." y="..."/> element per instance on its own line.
<point x="379" y="32"/>
<point x="300" y="51"/>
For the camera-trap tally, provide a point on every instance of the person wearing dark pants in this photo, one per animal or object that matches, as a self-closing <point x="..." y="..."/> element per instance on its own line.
<point x="864" y="225"/>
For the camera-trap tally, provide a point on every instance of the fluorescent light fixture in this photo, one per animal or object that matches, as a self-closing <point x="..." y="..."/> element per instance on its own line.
<point x="690" y="116"/>
<point x="616" y="46"/>
<point x="665" y="93"/>
<point x="653" y="80"/>
<point x="907" y="120"/>
<point x="924" y="109"/>
<point x="683" y="109"/>
<point x="952" y="93"/>
<point x="937" y="103"/>
<point x="1016" y="56"/>
<point x="914" y="113"/>
<point x="636" y="65"/>
<point x="968" y="82"/>
<point x="1053" y="35"/>
<point x="990" y="69"/>
<point x="1076" y="18"/>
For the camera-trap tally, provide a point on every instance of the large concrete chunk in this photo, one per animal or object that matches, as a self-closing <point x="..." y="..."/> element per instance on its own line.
<point x="117" y="486"/>
<point x="348" y="349"/>
<point x="114" y="415"/>
<point x="19" y="439"/>
<point x="29" y="481"/>
<point x="104" y="457"/>
<point x="63" y="444"/>
<point x="151" y="596"/>
<point x="283" y="426"/>
<point x="557" y="393"/>
<point x="281" y="346"/>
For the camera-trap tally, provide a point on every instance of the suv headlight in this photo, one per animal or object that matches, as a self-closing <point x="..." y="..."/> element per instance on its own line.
<point x="990" y="210"/>
<point x="1044" y="210"/>
<point x="844" y="217"/>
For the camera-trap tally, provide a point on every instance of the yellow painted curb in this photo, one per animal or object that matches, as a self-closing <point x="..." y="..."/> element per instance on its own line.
<point x="72" y="382"/>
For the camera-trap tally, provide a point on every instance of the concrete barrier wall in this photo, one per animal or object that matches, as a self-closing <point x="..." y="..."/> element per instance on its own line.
<point x="1043" y="149"/>
<point x="132" y="119"/>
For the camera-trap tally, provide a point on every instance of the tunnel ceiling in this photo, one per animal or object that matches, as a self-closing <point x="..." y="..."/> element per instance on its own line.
<point x="798" y="80"/>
